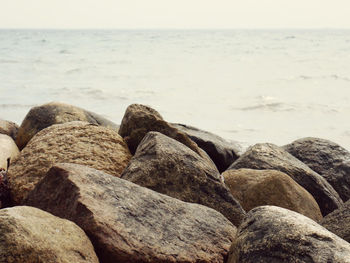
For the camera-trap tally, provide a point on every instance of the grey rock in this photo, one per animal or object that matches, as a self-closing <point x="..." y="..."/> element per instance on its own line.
<point x="130" y="223"/>
<point x="222" y="152"/>
<point x="274" y="234"/>
<point x="169" y="167"/>
<point x="327" y="158"/>
<point x="41" y="117"/>
<point x="269" y="156"/>
<point x="338" y="222"/>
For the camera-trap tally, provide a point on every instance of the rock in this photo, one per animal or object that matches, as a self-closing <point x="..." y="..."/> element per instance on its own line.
<point x="338" y="222"/>
<point x="8" y="151"/>
<point x="9" y="128"/>
<point x="41" y="117"/>
<point x="130" y="223"/>
<point x="274" y="234"/>
<point x="254" y="188"/>
<point x="5" y="195"/>
<point x="222" y="152"/>
<point x="31" y="235"/>
<point x="139" y="119"/>
<point x="73" y="142"/>
<point x="327" y="158"/>
<point x="169" y="167"/>
<point x="264" y="156"/>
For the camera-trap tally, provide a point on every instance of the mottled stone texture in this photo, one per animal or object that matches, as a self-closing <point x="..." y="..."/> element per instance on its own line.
<point x="222" y="152"/>
<point x="8" y="150"/>
<point x="139" y="119"/>
<point x="264" y="156"/>
<point x="73" y="142"/>
<point x="169" y="167"/>
<point x="9" y="128"/>
<point x="254" y="188"/>
<point x="274" y="234"/>
<point x="327" y="158"/>
<point x="130" y="223"/>
<point x="338" y="222"/>
<point x="41" y="117"/>
<point x="28" y="235"/>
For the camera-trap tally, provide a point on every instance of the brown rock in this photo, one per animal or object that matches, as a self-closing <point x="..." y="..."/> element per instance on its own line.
<point x="169" y="167"/>
<point x="41" y="117"/>
<point x="9" y="128"/>
<point x="8" y="150"/>
<point x="130" y="223"/>
<point x="274" y="234"/>
<point x="30" y="235"/>
<point x="73" y="142"/>
<point x="338" y="222"/>
<point x="254" y="188"/>
<point x="264" y="156"/>
<point x="326" y="158"/>
<point x="139" y="119"/>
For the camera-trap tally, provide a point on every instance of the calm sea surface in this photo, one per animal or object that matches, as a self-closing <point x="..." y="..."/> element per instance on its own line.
<point x="245" y="85"/>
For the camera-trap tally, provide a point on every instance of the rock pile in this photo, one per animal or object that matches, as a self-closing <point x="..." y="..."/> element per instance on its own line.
<point x="82" y="190"/>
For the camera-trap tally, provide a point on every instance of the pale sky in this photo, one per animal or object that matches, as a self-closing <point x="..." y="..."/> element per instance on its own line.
<point x="174" y="14"/>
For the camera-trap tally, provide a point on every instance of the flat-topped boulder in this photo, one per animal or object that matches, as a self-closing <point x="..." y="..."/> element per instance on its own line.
<point x="8" y="151"/>
<point x="327" y="158"/>
<point x="9" y="128"/>
<point x="274" y="234"/>
<point x="139" y="119"/>
<point x="169" y="167"/>
<point x="222" y="152"/>
<point x="338" y="222"/>
<point x="31" y="235"/>
<point x="41" y="117"/>
<point x="130" y="223"/>
<point x="264" y="156"/>
<point x="73" y="142"/>
<point x="254" y="188"/>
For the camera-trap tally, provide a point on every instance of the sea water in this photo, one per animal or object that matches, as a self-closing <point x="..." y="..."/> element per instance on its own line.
<point x="244" y="85"/>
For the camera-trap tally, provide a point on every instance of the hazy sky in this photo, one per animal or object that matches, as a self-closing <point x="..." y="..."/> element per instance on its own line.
<point x="174" y="14"/>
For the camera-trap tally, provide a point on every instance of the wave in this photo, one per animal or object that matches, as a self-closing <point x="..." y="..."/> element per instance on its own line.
<point x="324" y="77"/>
<point x="273" y="106"/>
<point x="16" y="106"/>
<point x="8" y="61"/>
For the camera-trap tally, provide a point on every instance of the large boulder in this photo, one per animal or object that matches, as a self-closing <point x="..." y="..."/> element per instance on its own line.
<point x="222" y="152"/>
<point x="169" y="167"/>
<point x="41" y="117"/>
<point x="30" y="235"/>
<point x="327" y="158"/>
<point x="264" y="156"/>
<point x="130" y="223"/>
<point x="9" y="128"/>
<point x="338" y="222"/>
<point x="274" y="234"/>
<point x="73" y="142"/>
<point x="8" y="151"/>
<point x="254" y="188"/>
<point x="139" y="119"/>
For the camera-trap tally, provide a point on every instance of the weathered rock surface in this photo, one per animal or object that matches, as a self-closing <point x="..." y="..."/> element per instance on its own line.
<point x="28" y="235"/>
<point x="41" y="117"/>
<point x="139" y="119"/>
<point x="274" y="234"/>
<point x="130" y="223"/>
<point x="264" y="156"/>
<point x="5" y="194"/>
<point x="254" y="188"/>
<point x="169" y="167"/>
<point x="9" y="128"/>
<point x="8" y="150"/>
<point x="327" y="158"/>
<point x="222" y="152"/>
<point x="73" y="142"/>
<point x="338" y="222"/>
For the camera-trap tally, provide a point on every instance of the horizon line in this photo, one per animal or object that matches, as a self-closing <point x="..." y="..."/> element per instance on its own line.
<point x="174" y="28"/>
